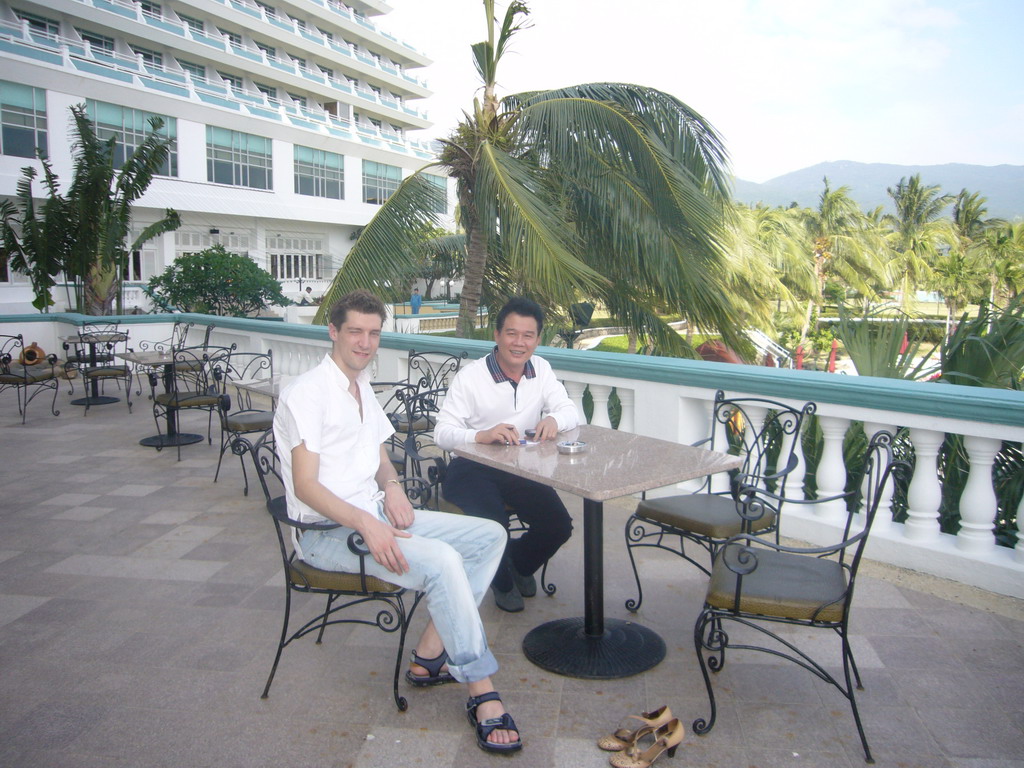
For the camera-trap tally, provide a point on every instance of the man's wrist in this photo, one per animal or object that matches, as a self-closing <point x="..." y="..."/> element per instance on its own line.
<point x="392" y="482"/>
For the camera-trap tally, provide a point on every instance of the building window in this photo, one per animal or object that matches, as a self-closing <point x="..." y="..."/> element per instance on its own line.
<point x="151" y="9"/>
<point x="297" y="22"/>
<point x="98" y="43"/>
<point x="196" y="25"/>
<point x="151" y="58"/>
<point x="129" y="127"/>
<point x="299" y="100"/>
<point x="238" y="159"/>
<point x="22" y="120"/>
<point x="270" y="50"/>
<point x="295" y="256"/>
<point x="319" y="173"/>
<point x="233" y="37"/>
<point x="442" y="184"/>
<point x="299" y="62"/>
<point x="379" y="181"/>
<point x="40" y="24"/>
<point x="234" y="81"/>
<point x="267" y="9"/>
<point x="198" y="71"/>
<point x="267" y="90"/>
<point x="328" y="72"/>
<point x="327" y="35"/>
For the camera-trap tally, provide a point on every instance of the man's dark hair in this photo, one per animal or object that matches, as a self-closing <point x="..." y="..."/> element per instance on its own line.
<point x="360" y="301"/>
<point x="520" y="305"/>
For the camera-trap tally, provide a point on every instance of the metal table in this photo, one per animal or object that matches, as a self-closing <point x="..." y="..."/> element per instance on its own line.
<point x="165" y="360"/>
<point x="615" y="464"/>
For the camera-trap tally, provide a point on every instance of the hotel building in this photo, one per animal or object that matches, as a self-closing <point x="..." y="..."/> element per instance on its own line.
<point x="291" y="120"/>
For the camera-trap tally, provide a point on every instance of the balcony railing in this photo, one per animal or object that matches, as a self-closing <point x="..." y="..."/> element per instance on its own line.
<point x="671" y="399"/>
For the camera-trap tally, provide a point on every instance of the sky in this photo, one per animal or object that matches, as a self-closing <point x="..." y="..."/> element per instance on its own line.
<point x="787" y="83"/>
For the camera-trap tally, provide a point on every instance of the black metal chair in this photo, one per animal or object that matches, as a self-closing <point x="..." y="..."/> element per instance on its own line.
<point x="27" y="375"/>
<point x="343" y="591"/>
<point x="433" y="370"/>
<point x="757" y="584"/>
<point x="765" y="434"/>
<point x="198" y="373"/>
<point x="236" y="426"/>
<point x="179" y="334"/>
<point x="78" y="354"/>
<point x="107" y="366"/>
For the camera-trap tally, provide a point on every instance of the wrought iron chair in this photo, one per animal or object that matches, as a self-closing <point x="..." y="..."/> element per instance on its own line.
<point x="237" y="425"/>
<point x="78" y="354"/>
<point x="430" y="370"/>
<point x="195" y="384"/>
<point x="343" y="591"/>
<point x="756" y="583"/>
<point x="21" y="374"/>
<point x="107" y="366"/>
<point x="765" y="433"/>
<point x="179" y="333"/>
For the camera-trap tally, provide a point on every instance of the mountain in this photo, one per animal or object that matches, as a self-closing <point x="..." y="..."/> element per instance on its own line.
<point x="1003" y="185"/>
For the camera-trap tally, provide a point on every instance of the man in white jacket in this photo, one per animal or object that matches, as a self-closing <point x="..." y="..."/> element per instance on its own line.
<point x="500" y="399"/>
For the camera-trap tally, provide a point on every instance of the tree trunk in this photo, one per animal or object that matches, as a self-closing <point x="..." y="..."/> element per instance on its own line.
<point x="631" y="349"/>
<point x="472" y="287"/>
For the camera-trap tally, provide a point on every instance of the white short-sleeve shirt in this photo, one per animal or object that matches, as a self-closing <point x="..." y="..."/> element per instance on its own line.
<point x="318" y="410"/>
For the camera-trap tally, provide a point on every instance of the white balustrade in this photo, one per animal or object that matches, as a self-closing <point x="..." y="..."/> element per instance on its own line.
<point x="924" y="496"/>
<point x="978" y="502"/>
<point x="831" y="474"/>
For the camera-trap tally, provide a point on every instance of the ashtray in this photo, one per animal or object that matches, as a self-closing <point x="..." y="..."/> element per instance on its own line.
<point x="570" y="447"/>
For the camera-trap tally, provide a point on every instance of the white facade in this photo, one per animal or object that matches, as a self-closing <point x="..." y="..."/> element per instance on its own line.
<point x="291" y="118"/>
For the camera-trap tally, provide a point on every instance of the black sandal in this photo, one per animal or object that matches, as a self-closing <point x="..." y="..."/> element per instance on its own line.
<point x="434" y="674"/>
<point x="484" y="728"/>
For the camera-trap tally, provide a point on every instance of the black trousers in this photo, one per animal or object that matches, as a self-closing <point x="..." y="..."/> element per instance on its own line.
<point x="487" y="492"/>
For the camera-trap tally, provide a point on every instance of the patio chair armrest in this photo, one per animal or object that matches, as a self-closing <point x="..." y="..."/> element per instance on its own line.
<point x="739" y="552"/>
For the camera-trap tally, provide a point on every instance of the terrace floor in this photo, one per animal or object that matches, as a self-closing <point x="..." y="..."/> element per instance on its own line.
<point x="140" y="605"/>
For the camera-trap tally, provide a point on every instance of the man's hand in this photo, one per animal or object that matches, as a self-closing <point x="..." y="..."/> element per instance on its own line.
<point x="547" y="429"/>
<point x="500" y="433"/>
<point x="380" y="540"/>
<point x="397" y="506"/>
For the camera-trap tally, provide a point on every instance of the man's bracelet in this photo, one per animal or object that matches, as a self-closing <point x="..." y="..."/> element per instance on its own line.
<point x="389" y="482"/>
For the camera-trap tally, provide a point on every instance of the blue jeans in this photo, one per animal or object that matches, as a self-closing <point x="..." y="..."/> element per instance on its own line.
<point x="452" y="558"/>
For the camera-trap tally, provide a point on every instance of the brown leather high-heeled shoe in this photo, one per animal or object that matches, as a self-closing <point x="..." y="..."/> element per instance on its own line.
<point x="666" y="738"/>
<point x="626" y="737"/>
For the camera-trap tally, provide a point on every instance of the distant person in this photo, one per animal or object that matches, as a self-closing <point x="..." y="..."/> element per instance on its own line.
<point x="308" y="298"/>
<point x="497" y="399"/>
<point x="415" y="301"/>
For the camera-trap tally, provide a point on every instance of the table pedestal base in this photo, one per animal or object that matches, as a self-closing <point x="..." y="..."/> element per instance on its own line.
<point x="564" y="647"/>
<point x="95" y="400"/>
<point x="163" y="441"/>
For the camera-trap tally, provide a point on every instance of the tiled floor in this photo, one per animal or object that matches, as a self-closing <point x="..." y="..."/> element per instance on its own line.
<point x="140" y="605"/>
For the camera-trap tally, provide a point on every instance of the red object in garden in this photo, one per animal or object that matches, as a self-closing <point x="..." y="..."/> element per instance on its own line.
<point x="769" y="361"/>
<point x="903" y="345"/>
<point x="832" y="357"/>
<point x="717" y="352"/>
<point x="800" y="357"/>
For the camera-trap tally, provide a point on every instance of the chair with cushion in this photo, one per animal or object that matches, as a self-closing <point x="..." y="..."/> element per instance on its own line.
<point x="765" y="434"/>
<point x="78" y="354"/>
<point x="198" y="374"/>
<point x="108" y="367"/>
<point x="757" y="584"/>
<point x="237" y="426"/>
<point x="25" y="372"/>
<point x="392" y="606"/>
<point x="177" y="339"/>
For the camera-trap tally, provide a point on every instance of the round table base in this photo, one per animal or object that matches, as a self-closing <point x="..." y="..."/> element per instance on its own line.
<point x="163" y="441"/>
<point x="624" y="649"/>
<point x="98" y="400"/>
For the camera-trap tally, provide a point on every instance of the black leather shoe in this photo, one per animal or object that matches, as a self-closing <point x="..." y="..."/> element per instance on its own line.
<point x="510" y="601"/>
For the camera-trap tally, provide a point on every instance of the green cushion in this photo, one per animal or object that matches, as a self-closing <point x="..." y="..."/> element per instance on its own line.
<point x="305" y="575"/>
<point x="783" y="585"/>
<point x="250" y="421"/>
<point x="701" y="513"/>
<point x="188" y="399"/>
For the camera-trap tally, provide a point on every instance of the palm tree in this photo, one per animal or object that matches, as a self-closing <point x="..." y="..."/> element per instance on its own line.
<point x="35" y="237"/>
<point x="100" y="205"/>
<point x="1003" y="246"/>
<point x="843" y="245"/>
<point x="919" y="231"/>
<point x="604" y="191"/>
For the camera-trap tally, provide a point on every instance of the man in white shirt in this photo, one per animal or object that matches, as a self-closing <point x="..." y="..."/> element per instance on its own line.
<point x="330" y="431"/>
<point x="499" y="399"/>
